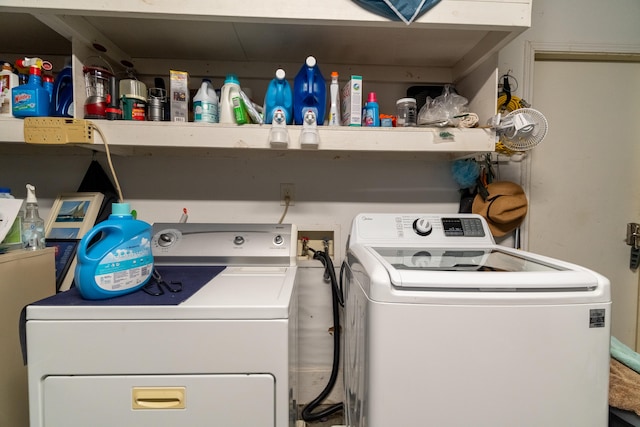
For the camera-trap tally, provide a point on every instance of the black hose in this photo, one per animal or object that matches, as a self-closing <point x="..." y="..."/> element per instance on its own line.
<point x="337" y="300"/>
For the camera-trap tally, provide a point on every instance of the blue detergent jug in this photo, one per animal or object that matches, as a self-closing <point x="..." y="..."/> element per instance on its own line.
<point x="309" y="92"/>
<point x="120" y="261"/>
<point x="62" y="97"/>
<point x="278" y="96"/>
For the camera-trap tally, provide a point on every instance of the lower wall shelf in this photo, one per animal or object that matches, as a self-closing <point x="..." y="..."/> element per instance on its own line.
<point x="132" y="134"/>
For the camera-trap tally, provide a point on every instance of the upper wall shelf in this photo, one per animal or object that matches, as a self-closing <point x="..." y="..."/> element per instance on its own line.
<point x="449" y="41"/>
<point x="455" y="42"/>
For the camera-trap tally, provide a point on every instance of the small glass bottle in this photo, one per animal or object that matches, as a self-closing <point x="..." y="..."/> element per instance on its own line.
<point x="32" y="224"/>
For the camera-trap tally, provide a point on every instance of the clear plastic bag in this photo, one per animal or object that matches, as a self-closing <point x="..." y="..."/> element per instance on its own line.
<point x="444" y="110"/>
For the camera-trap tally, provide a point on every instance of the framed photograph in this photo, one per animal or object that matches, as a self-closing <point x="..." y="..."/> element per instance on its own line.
<point x="72" y="215"/>
<point x="65" y="260"/>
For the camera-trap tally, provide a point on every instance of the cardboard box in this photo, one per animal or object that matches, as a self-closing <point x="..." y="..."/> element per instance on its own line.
<point x="179" y="96"/>
<point x="27" y="277"/>
<point x="351" y="102"/>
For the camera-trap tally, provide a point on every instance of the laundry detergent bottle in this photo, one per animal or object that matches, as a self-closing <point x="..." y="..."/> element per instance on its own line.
<point x="309" y="92"/>
<point x="205" y="103"/>
<point x="278" y="96"/>
<point x="231" y="108"/>
<point x="114" y="257"/>
<point x="62" y="98"/>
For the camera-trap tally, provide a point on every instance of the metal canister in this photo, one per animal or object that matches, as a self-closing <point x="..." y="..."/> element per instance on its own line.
<point x="155" y="104"/>
<point x="406" y="112"/>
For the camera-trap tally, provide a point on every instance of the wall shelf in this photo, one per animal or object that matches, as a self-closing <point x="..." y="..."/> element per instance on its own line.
<point x="455" y="42"/>
<point x="125" y="137"/>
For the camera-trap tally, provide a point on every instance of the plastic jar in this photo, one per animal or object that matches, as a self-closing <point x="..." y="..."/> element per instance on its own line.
<point x="407" y="112"/>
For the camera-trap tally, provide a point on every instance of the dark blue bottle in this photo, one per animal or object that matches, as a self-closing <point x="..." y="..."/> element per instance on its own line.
<point x="309" y="92"/>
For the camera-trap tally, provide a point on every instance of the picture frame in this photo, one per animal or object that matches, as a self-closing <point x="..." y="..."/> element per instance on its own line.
<point x="72" y="215"/>
<point x="65" y="260"/>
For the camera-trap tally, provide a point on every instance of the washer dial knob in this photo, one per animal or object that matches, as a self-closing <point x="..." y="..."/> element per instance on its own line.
<point x="422" y="227"/>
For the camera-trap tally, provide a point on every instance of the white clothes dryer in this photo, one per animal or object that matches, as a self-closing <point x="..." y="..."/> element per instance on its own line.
<point x="223" y="351"/>
<point x="445" y="328"/>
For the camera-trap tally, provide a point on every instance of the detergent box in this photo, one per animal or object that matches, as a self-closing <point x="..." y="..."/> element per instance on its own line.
<point x="351" y="102"/>
<point x="179" y="96"/>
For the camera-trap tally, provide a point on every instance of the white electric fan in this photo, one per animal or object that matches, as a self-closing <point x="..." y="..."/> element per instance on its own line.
<point x="521" y="129"/>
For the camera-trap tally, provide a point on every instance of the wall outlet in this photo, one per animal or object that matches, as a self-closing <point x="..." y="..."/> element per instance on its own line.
<point x="287" y="190"/>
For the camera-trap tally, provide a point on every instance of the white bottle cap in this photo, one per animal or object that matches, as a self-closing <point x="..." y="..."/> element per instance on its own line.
<point x="31" y="194"/>
<point x="280" y="74"/>
<point x="311" y="61"/>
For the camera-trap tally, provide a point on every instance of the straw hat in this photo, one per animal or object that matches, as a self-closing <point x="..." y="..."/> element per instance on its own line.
<point x="504" y="208"/>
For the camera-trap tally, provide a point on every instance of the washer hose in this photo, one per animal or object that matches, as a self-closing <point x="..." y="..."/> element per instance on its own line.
<point x="337" y="301"/>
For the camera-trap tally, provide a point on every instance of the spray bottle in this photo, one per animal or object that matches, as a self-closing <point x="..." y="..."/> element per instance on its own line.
<point x="31" y="99"/>
<point x="334" y="100"/>
<point x="32" y="224"/>
<point x="119" y="261"/>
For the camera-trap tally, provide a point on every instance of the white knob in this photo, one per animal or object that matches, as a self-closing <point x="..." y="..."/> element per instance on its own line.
<point x="422" y="226"/>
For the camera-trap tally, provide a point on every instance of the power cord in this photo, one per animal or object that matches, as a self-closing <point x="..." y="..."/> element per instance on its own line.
<point x="337" y="301"/>
<point x="111" y="168"/>
<point x="287" y="201"/>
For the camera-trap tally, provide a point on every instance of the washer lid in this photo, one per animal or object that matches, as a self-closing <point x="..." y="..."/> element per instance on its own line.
<point x="485" y="269"/>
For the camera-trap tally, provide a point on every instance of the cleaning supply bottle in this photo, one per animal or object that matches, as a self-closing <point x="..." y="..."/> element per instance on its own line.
<point x="47" y="84"/>
<point x="62" y="98"/>
<point x="205" y="103"/>
<point x="32" y="224"/>
<point x="119" y="261"/>
<point x="278" y="97"/>
<point x="309" y="92"/>
<point x="371" y="115"/>
<point x="231" y="101"/>
<point x="31" y="99"/>
<point x="334" y="100"/>
<point x="9" y="81"/>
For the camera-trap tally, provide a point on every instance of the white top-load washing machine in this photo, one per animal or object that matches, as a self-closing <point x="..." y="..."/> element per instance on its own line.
<point x="221" y="352"/>
<point x="445" y="328"/>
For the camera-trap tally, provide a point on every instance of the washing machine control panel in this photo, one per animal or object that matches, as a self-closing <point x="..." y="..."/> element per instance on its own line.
<point x="462" y="227"/>
<point x="229" y="244"/>
<point x="429" y="229"/>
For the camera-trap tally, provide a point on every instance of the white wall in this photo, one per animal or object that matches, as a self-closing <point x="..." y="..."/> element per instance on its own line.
<point x="244" y="186"/>
<point x="580" y="27"/>
<point x="584" y="25"/>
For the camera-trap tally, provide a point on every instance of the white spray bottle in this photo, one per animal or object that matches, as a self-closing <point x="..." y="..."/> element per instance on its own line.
<point x="32" y="224"/>
<point x="334" y="94"/>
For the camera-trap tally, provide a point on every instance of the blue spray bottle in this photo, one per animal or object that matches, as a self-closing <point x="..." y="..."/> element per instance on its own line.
<point x="120" y="261"/>
<point x="309" y="92"/>
<point x="278" y="96"/>
<point x="30" y="99"/>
